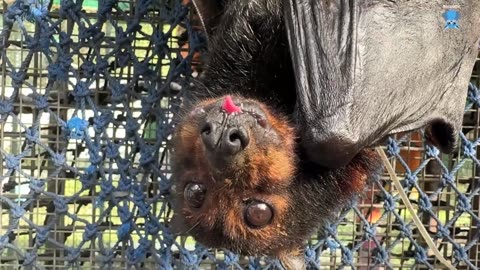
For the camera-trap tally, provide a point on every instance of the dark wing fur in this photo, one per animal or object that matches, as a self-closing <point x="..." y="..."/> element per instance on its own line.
<point x="367" y="69"/>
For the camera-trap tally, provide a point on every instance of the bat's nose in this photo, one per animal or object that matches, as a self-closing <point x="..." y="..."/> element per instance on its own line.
<point x="224" y="141"/>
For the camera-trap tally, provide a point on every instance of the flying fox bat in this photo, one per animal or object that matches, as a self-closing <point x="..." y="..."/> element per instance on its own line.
<point x="272" y="141"/>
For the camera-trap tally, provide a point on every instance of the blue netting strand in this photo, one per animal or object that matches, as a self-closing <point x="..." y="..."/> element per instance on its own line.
<point x="89" y="101"/>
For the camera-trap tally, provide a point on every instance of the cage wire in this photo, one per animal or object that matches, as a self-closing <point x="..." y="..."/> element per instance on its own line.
<point x="89" y="92"/>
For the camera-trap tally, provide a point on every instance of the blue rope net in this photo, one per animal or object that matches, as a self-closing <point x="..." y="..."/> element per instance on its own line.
<point x="88" y="98"/>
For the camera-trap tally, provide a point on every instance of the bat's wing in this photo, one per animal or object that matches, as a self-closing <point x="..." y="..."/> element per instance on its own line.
<point x="367" y="69"/>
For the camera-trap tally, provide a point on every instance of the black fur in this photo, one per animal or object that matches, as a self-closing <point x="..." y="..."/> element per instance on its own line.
<point x="248" y="55"/>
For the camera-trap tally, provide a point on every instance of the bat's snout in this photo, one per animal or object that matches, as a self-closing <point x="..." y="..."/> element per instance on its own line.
<point x="225" y="141"/>
<point x="229" y="127"/>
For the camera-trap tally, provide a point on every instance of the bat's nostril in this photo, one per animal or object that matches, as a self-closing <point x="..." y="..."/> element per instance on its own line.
<point x="209" y="135"/>
<point x="207" y="129"/>
<point x="235" y="140"/>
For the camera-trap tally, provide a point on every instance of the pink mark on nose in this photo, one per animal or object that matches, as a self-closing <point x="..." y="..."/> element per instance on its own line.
<point x="229" y="106"/>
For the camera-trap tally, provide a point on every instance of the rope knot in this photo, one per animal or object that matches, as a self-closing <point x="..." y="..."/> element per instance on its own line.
<point x="389" y="203"/>
<point x="125" y="183"/>
<point x="159" y="40"/>
<point x="123" y="164"/>
<point x="118" y="91"/>
<point x="87" y="69"/>
<point x="124" y="214"/>
<point x="6" y="107"/>
<point x="460" y="253"/>
<point x="13" y="12"/>
<point x="124" y="231"/>
<point x="87" y="179"/>
<point x="94" y="155"/>
<point x="61" y="207"/>
<point x="123" y="58"/>
<point x="331" y="243"/>
<point x="18" y="78"/>
<point x="77" y="127"/>
<point x="410" y="180"/>
<point x="392" y="147"/>
<point x="442" y="231"/>
<point x="91" y="34"/>
<point x="380" y="255"/>
<point x="424" y="203"/>
<point x="139" y="253"/>
<point x="59" y="160"/>
<point x="68" y="8"/>
<point x="72" y="254"/>
<point x="90" y="232"/>
<point x="230" y="259"/>
<point x="420" y="254"/>
<point x="101" y="122"/>
<point x="65" y="41"/>
<point x="139" y="200"/>
<point x="37" y="186"/>
<point x="131" y="127"/>
<point x="147" y="156"/>
<point x="107" y="256"/>
<point x="106" y="189"/>
<point x="347" y="256"/>
<point x="405" y="229"/>
<point x="310" y="254"/>
<point x="58" y="70"/>
<point x="254" y="264"/>
<point x="32" y="134"/>
<point x="81" y="90"/>
<point x="331" y="229"/>
<point x="42" y="236"/>
<point x="469" y="149"/>
<point x="111" y="151"/>
<point x="463" y="203"/>
<point x="152" y="227"/>
<point x="369" y="232"/>
<point x="473" y="93"/>
<point x="188" y="258"/>
<point x="105" y="8"/>
<point x="142" y="68"/>
<point x="17" y="212"/>
<point x="447" y="178"/>
<point x="41" y="102"/>
<point x="30" y="258"/>
<point x="432" y="151"/>
<point x="12" y="162"/>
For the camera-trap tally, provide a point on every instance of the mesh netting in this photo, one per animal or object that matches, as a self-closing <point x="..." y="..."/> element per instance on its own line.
<point x="88" y="97"/>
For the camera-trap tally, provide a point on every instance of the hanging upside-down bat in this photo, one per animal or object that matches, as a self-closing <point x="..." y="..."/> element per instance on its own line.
<point x="272" y="141"/>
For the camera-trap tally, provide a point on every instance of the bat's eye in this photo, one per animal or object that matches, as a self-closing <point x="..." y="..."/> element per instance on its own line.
<point x="258" y="214"/>
<point x="194" y="194"/>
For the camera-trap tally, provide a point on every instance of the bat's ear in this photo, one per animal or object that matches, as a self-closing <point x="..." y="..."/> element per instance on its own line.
<point x="442" y="135"/>
<point x="209" y="13"/>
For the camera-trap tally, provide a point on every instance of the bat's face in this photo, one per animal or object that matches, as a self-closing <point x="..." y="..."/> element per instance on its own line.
<point x="234" y="165"/>
<point x="241" y="184"/>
